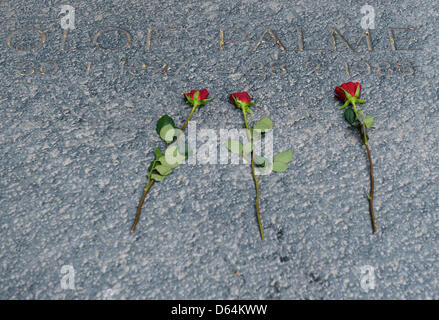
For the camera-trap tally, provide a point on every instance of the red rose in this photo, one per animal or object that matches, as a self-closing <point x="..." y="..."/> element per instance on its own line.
<point x="203" y="94"/>
<point x="240" y="96"/>
<point x="350" y="87"/>
<point x="203" y="97"/>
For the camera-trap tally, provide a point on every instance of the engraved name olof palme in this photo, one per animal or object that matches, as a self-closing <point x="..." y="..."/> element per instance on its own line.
<point x="157" y="39"/>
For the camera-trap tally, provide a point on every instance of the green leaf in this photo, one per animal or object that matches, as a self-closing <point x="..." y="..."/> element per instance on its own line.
<point x="165" y="163"/>
<point x="247" y="148"/>
<point x="163" y="170"/>
<point x="163" y="121"/>
<point x="349" y="115"/>
<point x="152" y="165"/>
<point x="368" y="121"/>
<point x="158" y="153"/>
<point x="261" y="161"/>
<point x="285" y="156"/>
<point x="157" y="177"/>
<point x="265" y="124"/>
<point x="172" y="155"/>
<point x="235" y="146"/>
<point x="167" y="133"/>
<point x="279" y="166"/>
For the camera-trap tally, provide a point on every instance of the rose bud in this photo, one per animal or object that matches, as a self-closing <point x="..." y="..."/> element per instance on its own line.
<point x="241" y="96"/>
<point x="242" y="100"/>
<point x="348" y="92"/>
<point x="198" y="97"/>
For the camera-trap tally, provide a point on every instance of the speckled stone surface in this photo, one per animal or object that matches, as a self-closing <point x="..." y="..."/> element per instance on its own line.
<point x="77" y="129"/>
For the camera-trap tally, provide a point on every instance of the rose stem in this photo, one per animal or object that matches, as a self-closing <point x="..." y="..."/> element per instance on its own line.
<point x="255" y="179"/>
<point x="139" y="208"/>
<point x="363" y="134"/>
<point x="189" y="118"/>
<point x="370" y="196"/>
<point x="151" y="181"/>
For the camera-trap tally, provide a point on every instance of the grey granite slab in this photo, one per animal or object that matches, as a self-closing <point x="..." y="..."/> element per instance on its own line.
<point x="77" y="129"/>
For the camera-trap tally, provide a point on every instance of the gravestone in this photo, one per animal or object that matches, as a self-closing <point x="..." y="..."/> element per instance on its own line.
<point x="82" y="88"/>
